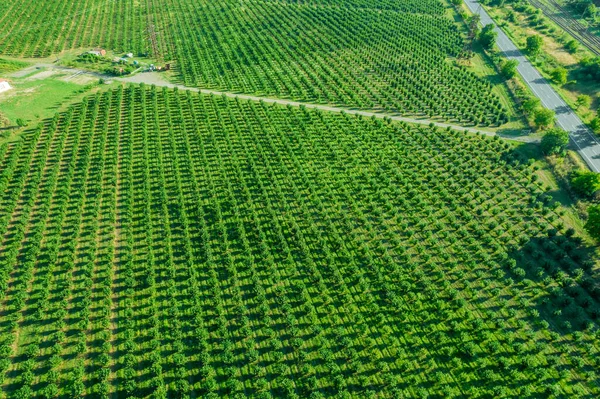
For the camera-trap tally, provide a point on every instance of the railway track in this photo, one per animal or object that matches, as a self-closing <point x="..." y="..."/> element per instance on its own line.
<point x="560" y="16"/>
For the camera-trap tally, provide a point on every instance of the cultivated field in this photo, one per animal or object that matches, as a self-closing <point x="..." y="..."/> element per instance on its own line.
<point x="386" y="55"/>
<point x="156" y="242"/>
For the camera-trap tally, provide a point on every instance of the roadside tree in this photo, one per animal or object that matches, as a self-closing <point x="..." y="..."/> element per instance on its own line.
<point x="544" y="118"/>
<point x="555" y="142"/>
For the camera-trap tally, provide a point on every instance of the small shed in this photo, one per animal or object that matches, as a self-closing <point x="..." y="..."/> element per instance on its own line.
<point x="97" y="52"/>
<point x="4" y="86"/>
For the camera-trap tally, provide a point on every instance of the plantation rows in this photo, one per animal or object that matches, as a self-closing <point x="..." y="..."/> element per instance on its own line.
<point x="154" y="242"/>
<point x="360" y="57"/>
<point x="32" y="28"/>
<point x="432" y="7"/>
<point x="354" y="57"/>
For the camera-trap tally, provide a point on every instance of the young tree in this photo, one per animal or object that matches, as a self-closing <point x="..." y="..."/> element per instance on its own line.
<point x="595" y="124"/>
<point x="543" y="118"/>
<point x="585" y="183"/>
<point x="583" y="100"/>
<point x="555" y="141"/>
<point x="591" y="11"/>
<point x="593" y="223"/>
<point x="572" y="46"/>
<point x="534" y="44"/>
<point x="559" y="75"/>
<point x="487" y="37"/>
<point x="531" y="104"/>
<point x="509" y="68"/>
<point x="589" y="69"/>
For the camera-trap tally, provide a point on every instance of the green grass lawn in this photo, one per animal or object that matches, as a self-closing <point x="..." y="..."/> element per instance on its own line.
<point x="32" y="100"/>
<point x="36" y="99"/>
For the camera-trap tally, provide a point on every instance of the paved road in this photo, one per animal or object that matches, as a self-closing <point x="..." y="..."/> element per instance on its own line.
<point x="584" y="140"/>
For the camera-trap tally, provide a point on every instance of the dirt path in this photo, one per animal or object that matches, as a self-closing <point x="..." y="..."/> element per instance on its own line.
<point x="158" y="79"/>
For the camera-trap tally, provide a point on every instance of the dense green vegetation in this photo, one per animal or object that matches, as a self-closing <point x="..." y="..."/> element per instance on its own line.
<point x="10" y="66"/>
<point x="415" y="6"/>
<point x="394" y="59"/>
<point x="168" y="243"/>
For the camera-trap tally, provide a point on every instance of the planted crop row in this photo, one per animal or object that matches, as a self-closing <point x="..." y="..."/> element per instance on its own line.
<point x="345" y="55"/>
<point x="30" y="28"/>
<point x="154" y="242"/>
<point x="363" y="58"/>
<point x="431" y="7"/>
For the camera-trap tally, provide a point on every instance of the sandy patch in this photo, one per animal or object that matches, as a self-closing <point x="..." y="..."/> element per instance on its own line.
<point x="43" y="74"/>
<point x="81" y="79"/>
<point x="555" y="49"/>
<point x="23" y="72"/>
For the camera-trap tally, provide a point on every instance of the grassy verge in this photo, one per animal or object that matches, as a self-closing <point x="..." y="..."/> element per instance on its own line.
<point x="37" y="96"/>
<point x="7" y="66"/>
<point x="481" y="65"/>
<point x="552" y="56"/>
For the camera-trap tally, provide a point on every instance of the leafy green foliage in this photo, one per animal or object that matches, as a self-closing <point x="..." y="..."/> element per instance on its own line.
<point x="543" y="118"/>
<point x="534" y="44"/>
<point x="487" y="37"/>
<point x="583" y="100"/>
<point x="555" y="142"/>
<point x="593" y="223"/>
<point x="370" y="54"/>
<point x="595" y="124"/>
<point x="589" y="69"/>
<point x="531" y="104"/>
<point x="161" y="243"/>
<point x="585" y="183"/>
<point x="509" y="68"/>
<point x="559" y="75"/>
<point x="7" y="66"/>
<point x="572" y="46"/>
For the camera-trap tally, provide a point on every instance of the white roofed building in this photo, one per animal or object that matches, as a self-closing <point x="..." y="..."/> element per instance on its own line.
<point x="4" y="86"/>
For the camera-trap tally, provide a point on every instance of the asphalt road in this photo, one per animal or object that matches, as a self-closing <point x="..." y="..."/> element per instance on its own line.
<point x="583" y="138"/>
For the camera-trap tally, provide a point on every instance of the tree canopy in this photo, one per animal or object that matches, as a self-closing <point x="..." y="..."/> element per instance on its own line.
<point x="585" y="183"/>
<point x="509" y="68"/>
<point x="589" y="69"/>
<point x="593" y="223"/>
<point x="555" y="141"/>
<point x="544" y="118"/>
<point x="559" y="75"/>
<point x="487" y="37"/>
<point x="534" y="44"/>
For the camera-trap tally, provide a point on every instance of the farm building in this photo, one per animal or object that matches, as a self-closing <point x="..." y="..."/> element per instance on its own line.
<point x="98" y="52"/>
<point x="4" y="86"/>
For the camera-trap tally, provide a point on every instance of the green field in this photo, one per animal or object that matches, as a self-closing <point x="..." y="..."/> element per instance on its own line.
<point x="32" y="100"/>
<point x="392" y="56"/>
<point x="165" y="243"/>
